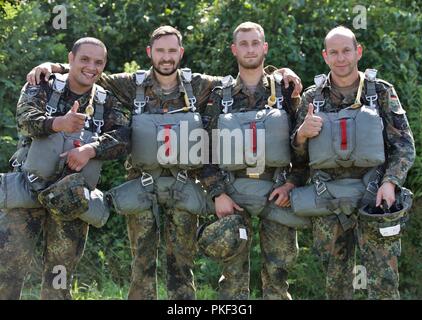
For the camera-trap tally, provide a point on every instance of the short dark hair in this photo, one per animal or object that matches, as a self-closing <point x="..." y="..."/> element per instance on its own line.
<point x="341" y="28"/>
<point x="165" y="31"/>
<point x="88" y="40"/>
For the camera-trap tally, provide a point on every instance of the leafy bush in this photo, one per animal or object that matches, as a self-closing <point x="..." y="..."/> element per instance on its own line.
<point x="294" y="29"/>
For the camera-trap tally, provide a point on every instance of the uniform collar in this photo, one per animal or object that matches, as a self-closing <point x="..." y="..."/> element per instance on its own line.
<point x="240" y="86"/>
<point x="151" y="81"/>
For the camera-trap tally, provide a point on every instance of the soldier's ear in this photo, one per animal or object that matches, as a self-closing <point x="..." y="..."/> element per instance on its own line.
<point x="149" y="51"/>
<point x="70" y="57"/>
<point x="234" y="49"/>
<point x="182" y="51"/>
<point x="360" y="51"/>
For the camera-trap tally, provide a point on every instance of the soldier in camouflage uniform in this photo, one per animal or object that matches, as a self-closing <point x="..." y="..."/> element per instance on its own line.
<point x="165" y="92"/>
<point x="279" y="246"/>
<point x="64" y="241"/>
<point x="336" y="243"/>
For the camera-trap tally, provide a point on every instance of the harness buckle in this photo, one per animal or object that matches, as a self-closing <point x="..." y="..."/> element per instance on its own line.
<point x="372" y="187"/>
<point x="320" y="187"/>
<point x="318" y="104"/>
<point x="182" y="176"/>
<point x="98" y="124"/>
<point x="50" y="110"/>
<point x="146" y="179"/>
<point x="16" y="163"/>
<point x="372" y="99"/>
<point x="279" y="101"/>
<point x="226" y="104"/>
<point x="32" y="178"/>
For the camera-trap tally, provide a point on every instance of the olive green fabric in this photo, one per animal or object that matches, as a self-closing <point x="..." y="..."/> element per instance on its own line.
<point x="44" y="159"/>
<point x="344" y="194"/>
<point x="252" y="195"/>
<point x="148" y="153"/>
<point x="132" y="198"/>
<point x="15" y="192"/>
<point x="275" y="122"/>
<point x="98" y="212"/>
<point x="350" y="137"/>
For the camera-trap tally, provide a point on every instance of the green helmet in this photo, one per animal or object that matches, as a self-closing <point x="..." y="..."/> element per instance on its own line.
<point x="223" y="239"/>
<point x="388" y="221"/>
<point x="66" y="199"/>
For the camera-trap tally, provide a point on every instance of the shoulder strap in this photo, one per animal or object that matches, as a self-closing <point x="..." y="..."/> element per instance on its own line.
<point x="227" y="101"/>
<point x="190" y="100"/>
<point x="319" y="99"/>
<point x="140" y="99"/>
<point x="59" y="83"/>
<point x="99" y="99"/>
<point x="370" y="93"/>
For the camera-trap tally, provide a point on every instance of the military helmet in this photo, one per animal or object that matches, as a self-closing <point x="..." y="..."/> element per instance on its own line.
<point x="223" y="239"/>
<point x="66" y="199"/>
<point x="386" y="218"/>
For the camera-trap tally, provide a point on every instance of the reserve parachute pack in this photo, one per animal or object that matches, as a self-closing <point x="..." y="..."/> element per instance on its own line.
<point x="246" y="137"/>
<point x="252" y="195"/>
<point x="351" y="137"/>
<point x="15" y="192"/>
<point x="43" y="161"/>
<point x="162" y="140"/>
<point x="70" y="199"/>
<point x="148" y="191"/>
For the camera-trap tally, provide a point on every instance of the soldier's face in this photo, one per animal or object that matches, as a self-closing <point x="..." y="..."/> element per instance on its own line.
<point x="165" y="54"/>
<point x="249" y="49"/>
<point x="341" y="55"/>
<point x="87" y="65"/>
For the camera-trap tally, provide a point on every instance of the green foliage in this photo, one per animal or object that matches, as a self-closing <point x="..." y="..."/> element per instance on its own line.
<point x="294" y="30"/>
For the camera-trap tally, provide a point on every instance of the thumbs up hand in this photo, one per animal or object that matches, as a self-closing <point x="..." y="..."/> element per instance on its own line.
<point x="311" y="126"/>
<point x="71" y="122"/>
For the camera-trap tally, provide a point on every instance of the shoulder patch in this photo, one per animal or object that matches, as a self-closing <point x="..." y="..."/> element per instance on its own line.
<point x="394" y="102"/>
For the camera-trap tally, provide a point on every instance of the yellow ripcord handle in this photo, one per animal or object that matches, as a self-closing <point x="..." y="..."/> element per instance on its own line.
<point x="357" y="103"/>
<point x="271" y="99"/>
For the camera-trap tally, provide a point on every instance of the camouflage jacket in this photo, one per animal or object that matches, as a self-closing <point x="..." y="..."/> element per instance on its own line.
<point x="123" y="86"/>
<point x="32" y="120"/>
<point x="399" y="143"/>
<point x="244" y="100"/>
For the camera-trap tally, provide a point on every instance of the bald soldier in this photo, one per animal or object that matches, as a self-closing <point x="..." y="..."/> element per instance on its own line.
<point x="353" y="131"/>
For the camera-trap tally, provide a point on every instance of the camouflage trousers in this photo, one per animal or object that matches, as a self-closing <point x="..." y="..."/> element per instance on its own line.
<point x="337" y="249"/>
<point x="279" y="250"/>
<point x="64" y="243"/>
<point x="179" y="232"/>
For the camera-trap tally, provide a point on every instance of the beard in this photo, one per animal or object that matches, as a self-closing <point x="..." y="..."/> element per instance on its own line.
<point x="156" y="67"/>
<point x="252" y="65"/>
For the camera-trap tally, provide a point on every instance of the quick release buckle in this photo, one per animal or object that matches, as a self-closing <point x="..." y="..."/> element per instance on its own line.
<point x="146" y="179"/>
<point x="182" y="176"/>
<point x="32" y="178"/>
<point x="320" y="187"/>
